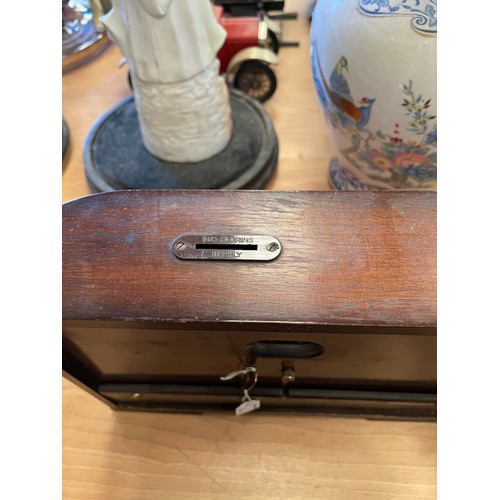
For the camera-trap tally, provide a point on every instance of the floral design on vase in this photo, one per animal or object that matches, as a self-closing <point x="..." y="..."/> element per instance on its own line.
<point x="379" y="156"/>
<point x="423" y="12"/>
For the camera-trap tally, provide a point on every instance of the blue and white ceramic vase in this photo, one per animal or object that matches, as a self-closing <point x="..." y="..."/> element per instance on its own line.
<point x="374" y="69"/>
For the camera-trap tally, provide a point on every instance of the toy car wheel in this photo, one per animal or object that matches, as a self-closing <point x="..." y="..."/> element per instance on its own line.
<point x="256" y="79"/>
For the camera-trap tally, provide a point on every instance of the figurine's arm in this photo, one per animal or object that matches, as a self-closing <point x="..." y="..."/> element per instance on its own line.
<point x="115" y="28"/>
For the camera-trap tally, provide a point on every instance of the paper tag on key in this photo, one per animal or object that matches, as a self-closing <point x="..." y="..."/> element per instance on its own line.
<point x="247" y="407"/>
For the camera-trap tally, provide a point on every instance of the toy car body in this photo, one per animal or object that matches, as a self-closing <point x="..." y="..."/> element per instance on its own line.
<point x="250" y="48"/>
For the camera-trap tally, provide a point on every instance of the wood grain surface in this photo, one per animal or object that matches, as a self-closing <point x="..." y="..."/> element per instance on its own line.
<point x="128" y="456"/>
<point x="133" y="456"/>
<point x="373" y="262"/>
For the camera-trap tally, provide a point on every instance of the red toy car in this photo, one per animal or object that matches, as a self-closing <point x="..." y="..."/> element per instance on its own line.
<point x="250" y="48"/>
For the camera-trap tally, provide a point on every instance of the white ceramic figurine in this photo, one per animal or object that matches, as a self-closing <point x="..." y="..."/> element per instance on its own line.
<point x="181" y="99"/>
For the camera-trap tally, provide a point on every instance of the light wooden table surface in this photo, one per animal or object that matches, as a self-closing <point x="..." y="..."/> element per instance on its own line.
<point x="133" y="456"/>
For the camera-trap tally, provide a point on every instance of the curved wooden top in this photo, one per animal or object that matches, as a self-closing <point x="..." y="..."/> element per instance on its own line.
<point x="348" y="258"/>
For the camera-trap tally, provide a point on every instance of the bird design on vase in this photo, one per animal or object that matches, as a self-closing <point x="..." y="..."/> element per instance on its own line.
<point x="349" y="114"/>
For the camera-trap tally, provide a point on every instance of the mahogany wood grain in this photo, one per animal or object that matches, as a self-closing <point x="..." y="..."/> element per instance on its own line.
<point x="348" y="258"/>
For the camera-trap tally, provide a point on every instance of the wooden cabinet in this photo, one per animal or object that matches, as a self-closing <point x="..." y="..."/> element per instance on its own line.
<point x="343" y="320"/>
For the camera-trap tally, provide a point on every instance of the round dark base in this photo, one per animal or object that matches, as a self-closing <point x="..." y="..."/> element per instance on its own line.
<point x="65" y="136"/>
<point x="115" y="157"/>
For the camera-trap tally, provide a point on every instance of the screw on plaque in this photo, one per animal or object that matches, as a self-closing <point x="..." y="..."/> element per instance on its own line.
<point x="272" y="247"/>
<point x="180" y="245"/>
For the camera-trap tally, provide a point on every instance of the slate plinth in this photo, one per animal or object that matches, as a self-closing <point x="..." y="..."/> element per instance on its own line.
<point x="115" y="157"/>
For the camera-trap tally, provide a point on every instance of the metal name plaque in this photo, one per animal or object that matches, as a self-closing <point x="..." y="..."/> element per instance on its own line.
<point x="226" y="247"/>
